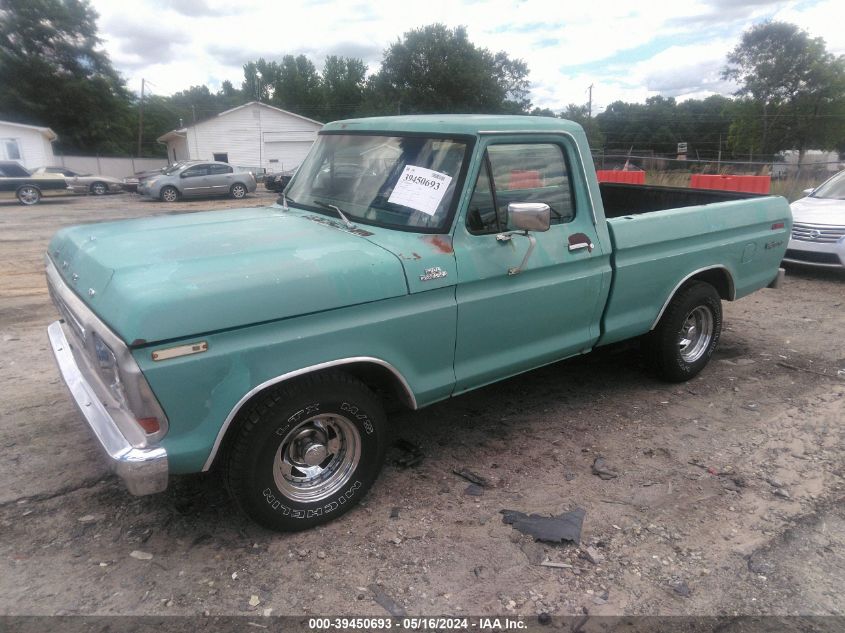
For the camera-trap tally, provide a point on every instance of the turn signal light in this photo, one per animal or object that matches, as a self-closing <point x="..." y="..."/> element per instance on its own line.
<point x="150" y="425"/>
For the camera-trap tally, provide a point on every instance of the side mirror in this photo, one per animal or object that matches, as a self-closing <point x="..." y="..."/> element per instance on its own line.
<point x="807" y="192"/>
<point x="529" y="216"/>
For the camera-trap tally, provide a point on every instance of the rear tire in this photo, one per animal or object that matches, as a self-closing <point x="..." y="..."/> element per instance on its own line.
<point x="306" y="452"/>
<point x="683" y="341"/>
<point x="237" y="191"/>
<point x="99" y="188"/>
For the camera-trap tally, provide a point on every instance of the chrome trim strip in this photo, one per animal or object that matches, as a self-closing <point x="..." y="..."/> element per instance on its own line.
<point x="731" y="289"/>
<point x="300" y="372"/>
<point x="143" y="470"/>
<point x="577" y="147"/>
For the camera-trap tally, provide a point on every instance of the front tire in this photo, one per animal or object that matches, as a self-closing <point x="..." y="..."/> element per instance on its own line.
<point x="683" y="341"/>
<point x="237" y="191"/>
<point x="28" y="195"/>
<point x="169" y="194"/>
<point x="307" y="451"/>
<point x="99" y="188"/>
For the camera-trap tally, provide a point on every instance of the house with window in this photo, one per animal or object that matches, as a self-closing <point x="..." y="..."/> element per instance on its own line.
<point x="255" y="136"/>
<point x="29" y="145"/>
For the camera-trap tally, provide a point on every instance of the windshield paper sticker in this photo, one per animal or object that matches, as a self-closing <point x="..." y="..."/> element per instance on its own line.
<point x="420" y="189"/>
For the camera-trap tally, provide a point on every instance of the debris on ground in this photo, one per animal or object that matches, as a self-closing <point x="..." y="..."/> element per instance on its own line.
<point x="603" y="470"/>
<point x="593" y="555"/>
<point x="602" y="598"/>
<point x="472" y="477"/>
<point x="550" y="563"/>
<point x="387" y="602"/>
<point x="254" y="601"/>
<point x="474" y="490"/>
<point x="141" y="555"/>
<point x="554" y="529"/>
<point x="411" y="455"/>
<point x="394" y="512"/>
<point x="782" y="493"/>
<point x="681" y="588"/>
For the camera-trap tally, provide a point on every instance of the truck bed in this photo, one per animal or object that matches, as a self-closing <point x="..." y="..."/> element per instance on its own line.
<point x="662" y="235"/>
<point x="621" y="199"/>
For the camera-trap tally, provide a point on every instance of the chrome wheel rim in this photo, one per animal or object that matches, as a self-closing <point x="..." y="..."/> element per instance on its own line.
<point x="696" y="334"/>
<point x="317" y="458"/>
<point x="99" y="189"/>
<point x="169" y="195"/>
<point x="238" y="191"/>
<point x="28" y="195"/>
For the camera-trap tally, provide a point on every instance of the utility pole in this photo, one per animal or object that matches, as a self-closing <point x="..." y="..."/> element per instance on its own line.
<point x="590" y="103"/>
<point x="719" y="159"/>
<point x="141" y="118"/>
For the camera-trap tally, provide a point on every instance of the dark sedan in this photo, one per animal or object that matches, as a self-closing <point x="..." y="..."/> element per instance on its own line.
<point x="28" y="189"/>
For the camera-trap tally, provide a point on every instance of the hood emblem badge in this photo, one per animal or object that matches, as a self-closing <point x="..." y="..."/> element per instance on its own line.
<point x="815" y="234"/>
<point x="433" y="273"/>
<point x="74" y="276"/>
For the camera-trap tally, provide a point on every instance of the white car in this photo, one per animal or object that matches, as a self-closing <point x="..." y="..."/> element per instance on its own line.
<point x="818" y="229"/>
<point x="83" y="183"/>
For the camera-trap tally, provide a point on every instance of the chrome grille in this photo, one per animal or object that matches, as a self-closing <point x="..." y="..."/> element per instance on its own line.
<point x="820" y="233"/>
<point x="65" y="313"/>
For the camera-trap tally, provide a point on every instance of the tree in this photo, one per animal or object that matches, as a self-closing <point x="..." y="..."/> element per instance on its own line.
<point x="343" y="82"/>
<point x="799" y="85"/>
<point x="581" y="115"/>
<point x="297" y="86"/>
<point x="53" y="73"/>
<point x="435" y="69"/>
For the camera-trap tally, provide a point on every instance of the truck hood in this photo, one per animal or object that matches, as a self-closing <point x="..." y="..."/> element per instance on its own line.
<point x="828" y="211"/>
<point x="171" y="277"/>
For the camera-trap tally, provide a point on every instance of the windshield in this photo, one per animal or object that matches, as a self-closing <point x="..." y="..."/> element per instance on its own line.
<point x="174" y="167"/>
<point x="397" y="181"/>
<point x="833" y="188"/>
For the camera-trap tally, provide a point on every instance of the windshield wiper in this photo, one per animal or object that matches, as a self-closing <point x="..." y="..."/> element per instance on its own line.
<point x="349" y="225"/>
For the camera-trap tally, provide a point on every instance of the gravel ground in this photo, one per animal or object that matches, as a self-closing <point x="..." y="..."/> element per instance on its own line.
<point x="728" y="498"/>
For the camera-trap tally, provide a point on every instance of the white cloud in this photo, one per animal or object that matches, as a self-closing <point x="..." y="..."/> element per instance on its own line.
<point x="567" y="45"/>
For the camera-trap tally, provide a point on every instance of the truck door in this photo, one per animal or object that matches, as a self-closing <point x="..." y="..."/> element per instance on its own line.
<point x="509" y="323"/>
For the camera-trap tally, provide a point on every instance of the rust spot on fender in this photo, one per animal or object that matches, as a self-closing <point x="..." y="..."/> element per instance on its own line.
<point x="442" y="243"/>
<point x="412" y="256"/>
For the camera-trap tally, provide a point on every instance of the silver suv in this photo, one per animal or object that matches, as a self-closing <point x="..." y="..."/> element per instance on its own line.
<point x="198" y="178"/>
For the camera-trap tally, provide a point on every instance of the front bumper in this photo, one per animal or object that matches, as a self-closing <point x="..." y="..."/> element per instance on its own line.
<point x="143" y="470"/>
<point x="824" y="254"/>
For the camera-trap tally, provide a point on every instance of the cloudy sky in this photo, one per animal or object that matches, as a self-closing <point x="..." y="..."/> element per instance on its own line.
<point x="628" y="49"/>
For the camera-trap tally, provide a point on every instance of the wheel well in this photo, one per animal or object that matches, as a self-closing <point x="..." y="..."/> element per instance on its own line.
<point x="387" y="386"/>
<point x="719" y="278"/>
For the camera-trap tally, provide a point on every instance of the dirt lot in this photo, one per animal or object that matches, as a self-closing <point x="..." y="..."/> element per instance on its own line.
<point x="728" y="500"/>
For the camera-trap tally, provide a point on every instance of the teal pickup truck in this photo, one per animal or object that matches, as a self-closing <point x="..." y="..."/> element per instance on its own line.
<point x="410" y="259"/>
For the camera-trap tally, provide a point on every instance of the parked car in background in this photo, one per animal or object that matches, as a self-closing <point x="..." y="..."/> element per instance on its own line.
<point x="27" y="188"/>
<point x="277" y="182"/>
<point x="83" y="183"/>
<point x="131" y="183"/>
<point x="196" y="179"/>
<point x="818" y="233"/>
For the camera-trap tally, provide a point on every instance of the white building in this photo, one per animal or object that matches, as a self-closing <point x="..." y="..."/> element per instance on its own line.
<point x="255" y="136"/>
<point x="30" y="145"/>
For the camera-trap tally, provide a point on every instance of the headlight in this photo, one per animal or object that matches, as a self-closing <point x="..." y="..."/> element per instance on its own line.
<point x="107" y="364"/>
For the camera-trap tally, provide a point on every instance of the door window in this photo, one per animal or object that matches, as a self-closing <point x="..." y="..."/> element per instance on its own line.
<point x="196" y="170"/>
<point x="529" y="172"/>
<point x="215" y="170"/>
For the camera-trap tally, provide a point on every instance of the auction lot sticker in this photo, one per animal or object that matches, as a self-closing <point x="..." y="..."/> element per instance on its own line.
<point x="420" y="189"/>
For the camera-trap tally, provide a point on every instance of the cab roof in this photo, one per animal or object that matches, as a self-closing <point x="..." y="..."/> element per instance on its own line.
<point x="463" y="124"/>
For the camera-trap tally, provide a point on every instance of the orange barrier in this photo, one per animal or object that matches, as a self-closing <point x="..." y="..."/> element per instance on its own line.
<point x="617" y="175"/>
<point x="748" y="184"/>
<point x="524" y="179"/>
